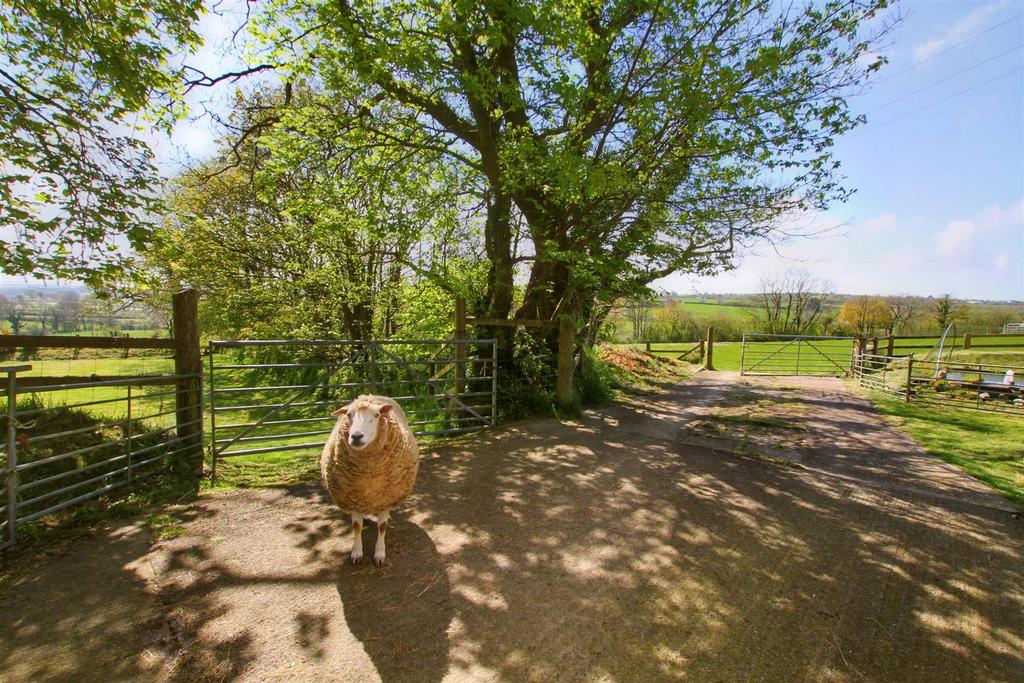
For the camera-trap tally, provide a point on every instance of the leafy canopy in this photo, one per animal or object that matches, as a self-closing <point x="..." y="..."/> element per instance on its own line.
<point x="632" y="138"/>
<point x="78" y="82"/>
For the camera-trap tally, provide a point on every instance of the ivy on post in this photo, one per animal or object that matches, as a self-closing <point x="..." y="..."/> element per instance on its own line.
<point x="566" y="337"/>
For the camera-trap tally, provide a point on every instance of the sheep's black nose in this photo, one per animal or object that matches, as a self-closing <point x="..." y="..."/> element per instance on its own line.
<point x="356" y="437"/>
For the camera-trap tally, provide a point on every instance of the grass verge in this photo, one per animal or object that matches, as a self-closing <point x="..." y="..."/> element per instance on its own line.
<point x="986" y="446"/>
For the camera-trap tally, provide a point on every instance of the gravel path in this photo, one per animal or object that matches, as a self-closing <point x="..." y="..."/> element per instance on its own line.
<point x="601" y="549"/>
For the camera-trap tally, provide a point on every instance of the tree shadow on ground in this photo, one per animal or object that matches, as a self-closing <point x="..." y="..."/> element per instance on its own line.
<point x="592" y="550"/>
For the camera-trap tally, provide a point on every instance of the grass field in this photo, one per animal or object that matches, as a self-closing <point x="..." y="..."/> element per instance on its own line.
<point x="727" y="310"/>
<point x="985" y="445"/>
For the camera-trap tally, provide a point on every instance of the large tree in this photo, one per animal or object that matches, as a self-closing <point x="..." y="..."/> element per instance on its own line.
<point x="632" y="139"/>
<point x="78" y="82"/>
<point x="287" y="234"/>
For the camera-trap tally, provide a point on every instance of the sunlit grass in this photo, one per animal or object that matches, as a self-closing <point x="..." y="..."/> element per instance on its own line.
<point x="986" y="446"/>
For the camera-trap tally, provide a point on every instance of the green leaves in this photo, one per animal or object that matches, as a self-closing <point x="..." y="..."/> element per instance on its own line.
<point x="76" y="79"/>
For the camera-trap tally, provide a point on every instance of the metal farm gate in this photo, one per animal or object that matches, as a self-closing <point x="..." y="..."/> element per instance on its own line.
<point x="272" y="396"/>
<point x="779" y="354"/>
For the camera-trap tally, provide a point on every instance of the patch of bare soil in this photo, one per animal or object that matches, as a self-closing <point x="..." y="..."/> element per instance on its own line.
<point x="636" y="362"/>
<point x="605" y="548"/>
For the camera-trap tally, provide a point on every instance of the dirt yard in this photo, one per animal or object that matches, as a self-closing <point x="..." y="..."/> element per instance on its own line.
<point x="665" y="539"/>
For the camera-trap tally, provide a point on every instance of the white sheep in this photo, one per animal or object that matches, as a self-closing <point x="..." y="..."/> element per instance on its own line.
<point x="369" y="465"/>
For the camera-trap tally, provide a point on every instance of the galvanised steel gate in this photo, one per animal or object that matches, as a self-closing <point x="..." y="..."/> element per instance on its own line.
<point x="272" y="396"/>
<point x="780" y="354"/>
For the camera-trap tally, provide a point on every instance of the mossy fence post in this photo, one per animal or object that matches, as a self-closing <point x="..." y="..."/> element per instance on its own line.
<point x="188" y="365"/>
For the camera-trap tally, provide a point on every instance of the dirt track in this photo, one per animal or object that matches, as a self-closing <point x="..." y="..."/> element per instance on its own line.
<point x="601" y="549"/>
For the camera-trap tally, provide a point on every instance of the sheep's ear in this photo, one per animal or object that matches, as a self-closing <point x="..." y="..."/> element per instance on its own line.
<point x="340" y="411"/>
<point x="386" y="408"/>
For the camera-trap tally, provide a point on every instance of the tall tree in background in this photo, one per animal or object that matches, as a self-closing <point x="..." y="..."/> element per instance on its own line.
<point x="293" y="235"/>
<point x="794" y="302"/>
<point x="630" y="139"/>
<point x="76" y="79"/>
<point x="898" y="312"/>
<point x="946" y="311"/>
<point x="863" y="315"/>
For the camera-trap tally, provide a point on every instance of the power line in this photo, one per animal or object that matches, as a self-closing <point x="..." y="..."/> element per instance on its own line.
<point x="943" y="80"/>
<point x="944" y="99"/>
<point x="951" y="47"/>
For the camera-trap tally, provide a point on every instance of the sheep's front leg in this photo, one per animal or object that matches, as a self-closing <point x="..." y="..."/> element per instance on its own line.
<point x="382" y="528"/>
<point x="357" y="538"/>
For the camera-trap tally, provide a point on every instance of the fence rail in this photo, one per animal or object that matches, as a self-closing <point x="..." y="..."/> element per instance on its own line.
<point x="280" y="393"/>
<point x="58" y="454"/>
<point x="950" y="384"/>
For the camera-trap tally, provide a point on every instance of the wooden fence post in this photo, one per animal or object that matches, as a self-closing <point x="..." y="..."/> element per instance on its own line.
<point x="967" y="340"/>
<point x="701" y="351"/>
<point x="709" y="350"/>
<point x="892" y="344"/>
<point x="566" y="339"/>
<point x="910" y="376"/>
<point x="647" y="346"/>
<point x="188" y="361"/>
<point x="460" y="349"/>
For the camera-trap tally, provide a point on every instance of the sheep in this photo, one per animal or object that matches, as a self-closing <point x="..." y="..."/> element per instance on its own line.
<point x="369" y="465"/>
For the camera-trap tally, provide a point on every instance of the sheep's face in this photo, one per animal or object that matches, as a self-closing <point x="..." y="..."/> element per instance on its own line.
<point x="364" y="422"/>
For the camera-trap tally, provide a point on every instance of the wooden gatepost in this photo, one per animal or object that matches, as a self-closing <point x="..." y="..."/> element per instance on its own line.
<point x="188" y="365"/>
<point x="566" y="344"/>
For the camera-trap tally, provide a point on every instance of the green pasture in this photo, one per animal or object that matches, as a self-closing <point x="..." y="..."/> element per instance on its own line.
<point x="985" y="445"/>
<point x="705" y="309"/>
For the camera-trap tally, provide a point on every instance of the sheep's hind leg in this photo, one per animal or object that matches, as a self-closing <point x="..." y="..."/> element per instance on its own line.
<point x="382" y="527"/>
<point x="357" y="539"/>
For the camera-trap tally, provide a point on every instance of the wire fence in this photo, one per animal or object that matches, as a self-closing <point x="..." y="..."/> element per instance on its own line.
<point x="944" y="383"/>
<point x="273" y="396"/>
<point x="69" y="443"/>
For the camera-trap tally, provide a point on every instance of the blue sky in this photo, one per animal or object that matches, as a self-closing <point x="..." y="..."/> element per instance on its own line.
<point x="939" y="206"/>
<point x="939" y="202"/>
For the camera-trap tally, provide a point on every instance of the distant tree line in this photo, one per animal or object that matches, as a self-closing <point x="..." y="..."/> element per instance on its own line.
<point x="796" y="303"/>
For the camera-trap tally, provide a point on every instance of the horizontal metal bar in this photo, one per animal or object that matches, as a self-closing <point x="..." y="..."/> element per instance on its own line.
<point x="69" y="473"/>
<point x="343" y="385"/>
<point x="68" y="503"/>
<point x="298" y="420"/>
<point x="335" y="402"/>
<point x="72" y="432"/>
<point x="72" y="487"/>
<point x="342" y="342"/>
<point x="793" y="337"/>
<point x="271" y="449"/>
<point x="11" y="341"/>
<point x="272" y="437"/>
<point x="356" y="363"/>
<point x="70" y="406"/>
<point x="22" y="466"/>
<point x="131" y="382"/>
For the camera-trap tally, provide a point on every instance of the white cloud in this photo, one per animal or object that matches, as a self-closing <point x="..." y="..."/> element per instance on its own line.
<point x="959" y="236"/>
<point x="1002" y="264"/>
<point x="884" y="223"/>
<point x="969" y="24"/>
